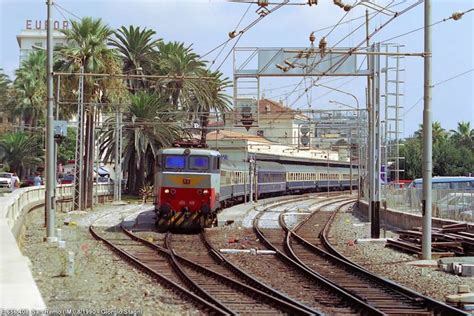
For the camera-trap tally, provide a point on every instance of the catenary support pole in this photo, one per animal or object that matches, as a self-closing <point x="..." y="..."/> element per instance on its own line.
<point x="50" y="167"/>
<point x="427" y="140"/>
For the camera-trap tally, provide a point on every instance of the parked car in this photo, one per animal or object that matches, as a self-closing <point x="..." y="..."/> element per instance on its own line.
<point x="6" y="180"/>
<point x="67" y="179"/>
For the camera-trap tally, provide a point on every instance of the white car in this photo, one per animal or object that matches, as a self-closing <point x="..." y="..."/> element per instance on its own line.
<point x="6" y="180"/>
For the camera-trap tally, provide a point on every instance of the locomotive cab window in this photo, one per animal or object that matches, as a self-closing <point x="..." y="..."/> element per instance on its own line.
<point x="175" y="162"/>
<point x="199" y="162"/>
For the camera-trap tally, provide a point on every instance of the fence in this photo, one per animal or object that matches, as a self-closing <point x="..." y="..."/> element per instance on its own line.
<point x="450" y="204"/>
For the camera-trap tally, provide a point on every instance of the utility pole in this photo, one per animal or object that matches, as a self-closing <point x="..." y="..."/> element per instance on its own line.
<point x="50" y="167"/>
<point x="251" y="180"/>
<point x="350" y="161"/>
<point x="118" y="155"/>
<point x="427" y="140"/>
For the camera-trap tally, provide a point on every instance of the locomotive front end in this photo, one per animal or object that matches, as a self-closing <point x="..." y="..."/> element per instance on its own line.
<point x="187" y="188"/>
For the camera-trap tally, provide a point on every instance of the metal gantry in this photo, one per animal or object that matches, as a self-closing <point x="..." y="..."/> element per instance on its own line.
<point x="393" y="93"/>
<point x="79" y="155"/>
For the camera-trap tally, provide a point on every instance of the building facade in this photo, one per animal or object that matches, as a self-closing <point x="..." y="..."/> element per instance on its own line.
<point x="33" y="36"/>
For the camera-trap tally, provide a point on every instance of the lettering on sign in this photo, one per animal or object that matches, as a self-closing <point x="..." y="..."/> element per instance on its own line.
<point x="43" y="25"/>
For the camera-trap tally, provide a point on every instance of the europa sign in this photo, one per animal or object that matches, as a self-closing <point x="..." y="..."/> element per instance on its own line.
<point x="43" y="25"/>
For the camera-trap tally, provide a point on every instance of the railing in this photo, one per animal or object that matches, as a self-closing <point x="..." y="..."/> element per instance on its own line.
<point x="12" y="205"/>
<point x="450" y="204"/>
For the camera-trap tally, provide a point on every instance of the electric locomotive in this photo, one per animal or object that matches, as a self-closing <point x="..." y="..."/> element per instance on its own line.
<point x="187" y="187"/>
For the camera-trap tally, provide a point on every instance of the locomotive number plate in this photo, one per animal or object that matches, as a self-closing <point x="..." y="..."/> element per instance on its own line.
<point x="186" y="181"/>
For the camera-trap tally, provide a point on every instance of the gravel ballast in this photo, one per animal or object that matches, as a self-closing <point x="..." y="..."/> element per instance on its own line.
<point x="390" y="263"/>
<point x="102" y="282"/>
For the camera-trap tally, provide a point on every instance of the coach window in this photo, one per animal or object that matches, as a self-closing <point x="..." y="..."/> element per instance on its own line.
<point x="199" y="162"/>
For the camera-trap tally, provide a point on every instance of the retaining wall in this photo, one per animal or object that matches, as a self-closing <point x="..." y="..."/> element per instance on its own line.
<point x="403" y="220"/>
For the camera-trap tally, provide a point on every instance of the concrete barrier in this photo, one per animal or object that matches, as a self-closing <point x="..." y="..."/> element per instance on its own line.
<point x="403" y="220"/>
<point x="18" y="288"/>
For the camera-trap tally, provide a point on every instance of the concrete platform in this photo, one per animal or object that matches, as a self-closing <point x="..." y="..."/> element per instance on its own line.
<point x="18" y="289"/>
<point x="234" y="216"/>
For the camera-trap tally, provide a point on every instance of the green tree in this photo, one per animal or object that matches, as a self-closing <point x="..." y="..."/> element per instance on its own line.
<point x="67" y="148"/>
<point x="136" y="47"/>
<point x="149" y="124"/>
<point x="175" y="59"/>
<point x="88" y="49"/>
<point x="463" y="135"/>
<point x="210" y="97"/>
<point x="21" y="151"/>
<point x="4" y="90"/>
<point x="412" y="152"/>
<point x="438" y="133"/>
<point x="30" y="89"/>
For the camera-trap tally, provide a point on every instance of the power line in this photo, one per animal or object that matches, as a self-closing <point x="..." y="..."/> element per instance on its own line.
<point x="342" y="60"/>
<point x="226" y="42"/>
<point x="437" y="84"/>
<point x="433" y="24"/>
<point x="74" y="15"/>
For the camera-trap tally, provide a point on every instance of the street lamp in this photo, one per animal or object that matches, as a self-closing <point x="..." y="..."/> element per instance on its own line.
<point x="338" y="90"/>
<point x="343" y="104"/>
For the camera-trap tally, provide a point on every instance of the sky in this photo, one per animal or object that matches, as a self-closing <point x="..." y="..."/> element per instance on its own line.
<point x="206" y="23"/>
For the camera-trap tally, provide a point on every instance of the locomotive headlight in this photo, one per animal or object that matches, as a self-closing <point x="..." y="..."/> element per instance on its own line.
<point x="167" y="191"/>
<point x="205" y="192"/>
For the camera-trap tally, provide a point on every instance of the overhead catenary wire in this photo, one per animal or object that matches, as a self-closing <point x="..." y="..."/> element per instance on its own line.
<point x="437" y="84"/>
<point x="354" y="19"/>
<point x="63" y="8"/>
<point x="248" y="27"/>
<point x="226" y="42"/>
<point x="341" y="60"/>
<point x="421" y="28"/>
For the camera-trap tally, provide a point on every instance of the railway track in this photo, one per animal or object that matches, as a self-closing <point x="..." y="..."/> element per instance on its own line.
<point x="152" y="263"/>
<point x="300" y="282"/>
<point x="191" y="256"/>
<point x="308" y="244"/>
<point x="213" y="292"/>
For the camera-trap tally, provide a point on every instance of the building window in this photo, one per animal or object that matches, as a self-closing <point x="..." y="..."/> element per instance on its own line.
<point x="1" y="120"/>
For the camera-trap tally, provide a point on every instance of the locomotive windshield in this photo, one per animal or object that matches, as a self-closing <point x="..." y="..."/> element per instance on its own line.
<point x="199" y="162"/>
<point x="175" y="162"/>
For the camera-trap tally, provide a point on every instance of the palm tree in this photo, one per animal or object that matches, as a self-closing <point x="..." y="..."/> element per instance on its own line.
<point x="438" y="133"/>
<point x="463" y="135"/>
<point x="149" y="124"/>
<point x="210" y="97"/>
<point x="30" y="88"/>
<point x="135" y="47"/>
<point x="20" y="151"/>
<point x="88" y="49"/>
<point x="175" y="59"/>
<point x="4" y="90"/>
